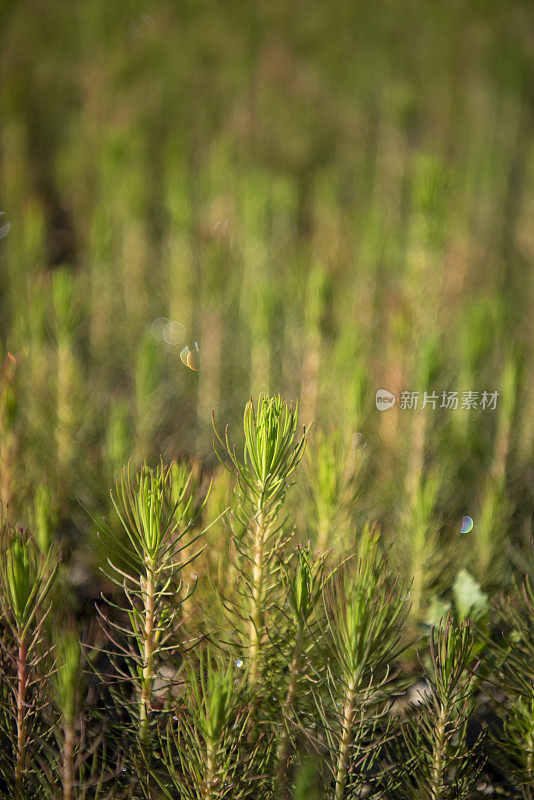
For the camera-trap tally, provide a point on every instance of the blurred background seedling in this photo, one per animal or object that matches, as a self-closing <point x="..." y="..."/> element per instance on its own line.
<point x="329" y="204"/>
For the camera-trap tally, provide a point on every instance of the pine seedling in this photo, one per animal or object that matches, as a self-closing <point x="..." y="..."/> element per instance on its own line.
<point x="75" y="763"/>
<point x="490" y="532"/>
<point x="184" y="491"/>
<point x="65" y="321"/>
<point x="146" y="564"/>
<point x="8" y="413"/>
<point x="315" y="303"/>
<point x="512" y="663"/>
<point x="332" y="472"/>
<point x="43" y="517"/>
<point x="218" y="559"/>
<point x="190" y="506"/>
<point x="505" y="418"/>
<point x="147" y="399"/>
<point x="67" y="681"/>
<point x="352" y="407"/>
<point x="271" y="453"/>
<point x="361" y="641"/>
<point x="303" y="582"/>
<point x="426" y="372"/>
<point x="307" y="782"/>
<point x="117" y="441"/>
<point x="420" y="556"/>
<point x="204" y="746"/>
<point x="26" y="577"/>
<point x="444" y="767"/>
<point x="259" y="287"/>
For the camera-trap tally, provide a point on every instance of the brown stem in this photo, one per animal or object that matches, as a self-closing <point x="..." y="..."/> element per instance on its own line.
<point x="343" y="757"/>
<point x="256" y="621"/>
<point x="22" y="682"/>
<point x="283" y="747"/>
<point x="68" y="761"/>
<point x="528" y="789"/>
<point x="148" y="654"/>
<point x="437" y="760"/>
<point x="211" y="768"/>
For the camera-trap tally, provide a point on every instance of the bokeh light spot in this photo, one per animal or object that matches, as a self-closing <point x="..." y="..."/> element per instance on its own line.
<point x="189" y="356"/>
<point x="359" y="441"/>
<point x="467" y="524"/>
<point x="158" y="327"/>
<point x="174" y="332"/>
<point x="5" y="228"/>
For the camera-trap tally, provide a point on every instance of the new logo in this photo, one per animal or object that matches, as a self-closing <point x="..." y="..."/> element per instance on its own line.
<point x="384" y="400"/>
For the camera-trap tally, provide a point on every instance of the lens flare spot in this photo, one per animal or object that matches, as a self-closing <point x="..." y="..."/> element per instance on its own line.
<point x="5" y="228"/>
<point x="174" y="332"/>
<point x="189" y="356"/>
<point x="359" y="441"/>
<point x="467" y="525"/>
<point x="158" y="327"/>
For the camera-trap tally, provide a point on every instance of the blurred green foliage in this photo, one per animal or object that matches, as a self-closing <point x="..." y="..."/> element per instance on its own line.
<point x="330" y="199"/>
